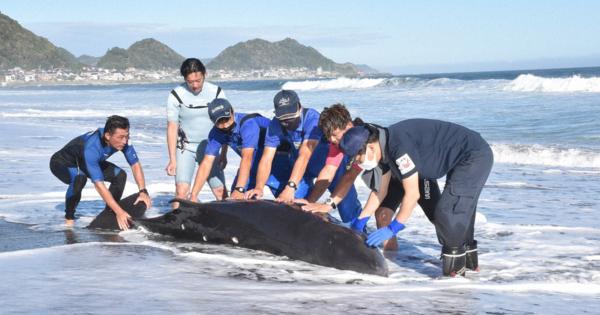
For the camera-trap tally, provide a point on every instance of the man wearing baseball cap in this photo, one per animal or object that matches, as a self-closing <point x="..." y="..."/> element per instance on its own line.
<point x="334" y="121"/>
<point x="244" y="134"/>
<point x="430" y="149"/>
<point x="296" y="128"/>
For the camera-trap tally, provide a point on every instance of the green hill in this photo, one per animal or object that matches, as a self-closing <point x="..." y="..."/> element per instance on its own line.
<point x="20" y="47"/>
<point x="287" y="53"/>
<point x="148" y="54"/>
<point x="88" y="60"/>
<point x="366" y="70"/>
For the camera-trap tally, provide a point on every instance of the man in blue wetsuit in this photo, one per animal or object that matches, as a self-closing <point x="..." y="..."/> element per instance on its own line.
<point x="187" y="118"/>
<point x="297" y="128"/>
<point x="85" y="157"/>
<point x="245" y="134"/>
<point x="431" y="149"/>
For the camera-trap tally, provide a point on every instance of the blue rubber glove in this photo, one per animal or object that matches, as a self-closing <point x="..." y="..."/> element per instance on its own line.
<point x="358" y="225"/>
<point x="384" y="233"/>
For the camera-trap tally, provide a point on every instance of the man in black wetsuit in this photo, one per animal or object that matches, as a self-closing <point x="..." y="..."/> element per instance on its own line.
<point x="85" y="157"/>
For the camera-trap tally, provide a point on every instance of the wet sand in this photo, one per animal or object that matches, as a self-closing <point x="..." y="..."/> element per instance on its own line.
<point x="15" y="236"/>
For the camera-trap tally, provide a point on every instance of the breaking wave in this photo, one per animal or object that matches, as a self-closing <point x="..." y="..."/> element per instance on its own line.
<point x="532" y="83"/>
<point x="334" y="84"/>
<point x="523" y="83"/>
<point x="547" y="156"/>
<point x="368" y="83"/>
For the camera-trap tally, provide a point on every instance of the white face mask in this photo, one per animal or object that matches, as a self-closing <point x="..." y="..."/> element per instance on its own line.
<point x="367" y="164"/>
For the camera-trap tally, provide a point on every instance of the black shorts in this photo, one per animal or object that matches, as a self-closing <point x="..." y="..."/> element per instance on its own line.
<point x="394" y="196"/>
<point x="428" y="189"/>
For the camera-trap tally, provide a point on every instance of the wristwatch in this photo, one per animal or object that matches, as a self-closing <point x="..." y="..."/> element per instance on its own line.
<point x="330" y="202"/>
<point x="292" y="185"/>
<point x="240" y="189"/>
<point x="145" y="191"/>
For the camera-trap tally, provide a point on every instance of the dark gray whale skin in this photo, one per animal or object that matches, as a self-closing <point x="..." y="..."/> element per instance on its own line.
<point x="272" y="227"/>
<point x="107" y="220"/>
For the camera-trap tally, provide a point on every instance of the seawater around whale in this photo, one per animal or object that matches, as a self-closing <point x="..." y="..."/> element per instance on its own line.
<point x="273" y="227"/>
<point x="280" y="229"/>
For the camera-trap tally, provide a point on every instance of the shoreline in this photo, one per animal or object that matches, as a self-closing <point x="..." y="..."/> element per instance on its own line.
<point x="21" y="84"/>
<point x="21" y="236"/>
<point x="584" y="72"/>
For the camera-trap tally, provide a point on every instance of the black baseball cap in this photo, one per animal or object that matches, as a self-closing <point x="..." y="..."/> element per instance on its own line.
<point x="354" y="140"/>
<point x="219" y="108"/>
<point x="286" y="104"/>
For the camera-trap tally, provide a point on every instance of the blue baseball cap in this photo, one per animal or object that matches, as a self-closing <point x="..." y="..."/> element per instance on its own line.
<point x="286" y="104"/>
<point x="219" y="108"/>
<point x="354" y="140"/>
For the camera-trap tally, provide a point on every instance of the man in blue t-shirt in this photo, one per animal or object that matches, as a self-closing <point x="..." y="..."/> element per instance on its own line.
<point x="296" y="129"/>
<point x="85" y="157"/>
<point x="430" y="149"/>
<point x="244" y="134"/>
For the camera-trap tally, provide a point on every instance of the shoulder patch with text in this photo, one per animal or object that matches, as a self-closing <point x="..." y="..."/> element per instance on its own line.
<point x="405" y="164"/>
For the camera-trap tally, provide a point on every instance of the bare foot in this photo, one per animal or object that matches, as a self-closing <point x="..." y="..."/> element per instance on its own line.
<point x="69" y="222"/>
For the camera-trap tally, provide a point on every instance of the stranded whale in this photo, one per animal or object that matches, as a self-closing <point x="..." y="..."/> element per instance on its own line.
<point x="272" y="227"/>
<point x="107" y="220"/>
<point x="269" y="226"/>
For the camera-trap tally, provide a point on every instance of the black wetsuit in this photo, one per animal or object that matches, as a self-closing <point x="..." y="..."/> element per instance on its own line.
<point x="83" y="157"/>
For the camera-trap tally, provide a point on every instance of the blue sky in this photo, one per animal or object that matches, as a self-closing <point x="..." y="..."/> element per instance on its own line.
<point x="398" y="36"/>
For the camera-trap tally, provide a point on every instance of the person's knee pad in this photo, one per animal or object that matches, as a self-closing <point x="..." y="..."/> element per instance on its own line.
<point x="472" y="261"/>
<point x="453" y="261"/>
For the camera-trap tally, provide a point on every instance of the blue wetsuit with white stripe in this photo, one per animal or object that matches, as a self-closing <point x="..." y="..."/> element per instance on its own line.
<point x="85" y="157"/>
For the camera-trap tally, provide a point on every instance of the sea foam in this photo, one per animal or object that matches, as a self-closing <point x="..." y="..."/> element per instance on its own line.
<point x="523" y="83"/>
<point x="533" y="83"/>
<point x="37" y="113"/>
<point x="543" y="155"/>
<point x="334" y="84"/>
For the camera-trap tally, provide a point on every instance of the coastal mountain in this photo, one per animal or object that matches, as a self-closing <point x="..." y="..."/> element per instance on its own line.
<point x="20" y="47"/>
<point x="147" y="54"/>
<point x="288" y="53"/>
<point x="366" y="70"/>
<point x="88" y="60"/>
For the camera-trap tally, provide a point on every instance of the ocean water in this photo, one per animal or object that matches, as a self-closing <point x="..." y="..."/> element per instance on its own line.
<point x="538" y="222"/>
